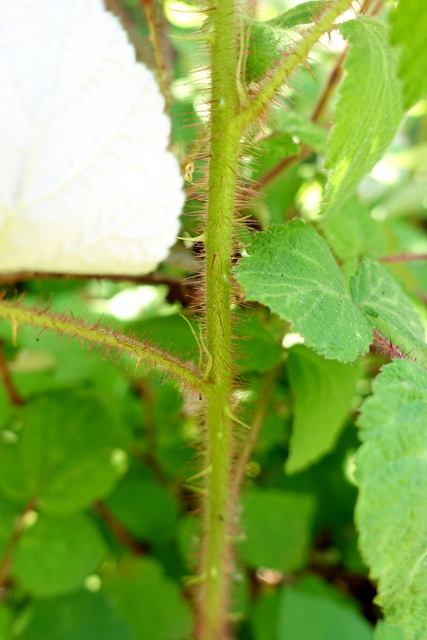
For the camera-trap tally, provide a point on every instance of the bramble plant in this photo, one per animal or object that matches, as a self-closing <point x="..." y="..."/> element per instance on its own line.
<point x="206" y="489"/>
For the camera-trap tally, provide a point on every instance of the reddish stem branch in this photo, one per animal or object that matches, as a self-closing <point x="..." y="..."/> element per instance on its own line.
<point x="387" y="347"/>
<point x="18" y="530"/>
<point x="14" y="397"/>
<point x="147" y="5"/>
<point x="404" y="257"/>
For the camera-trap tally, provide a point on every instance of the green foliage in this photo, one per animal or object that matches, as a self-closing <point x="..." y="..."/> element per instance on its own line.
<point x="323" y="390"/>
<point x="296" y="124"/>
<point x="165" y="615"/>
<point x="302" y="14"/>
<point x="66" y="468"/>
<point x="375" y="291"/>
<point x="284" y="549"/>
<point x="368" y="113"/>
<point x="354" y="234"/>
<point x="391" y="511"/>
<point x="291" y="269"/>
<point x="83" y="615"/>
<point x="147" y="510"/>
<point x="120" y="514"/>
<point x="408" y="29"/>
<point x="384" y="631"/>
<point x="304" y="615"/>
<point x="56" y="554"/>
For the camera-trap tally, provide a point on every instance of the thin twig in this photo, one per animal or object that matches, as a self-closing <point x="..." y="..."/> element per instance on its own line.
<point x="18" y="530"/>
<point x="404" y="257"/>
<point x="264" y="398"/>
<point x="14" y="397"/>
<point x="147" y="5"/>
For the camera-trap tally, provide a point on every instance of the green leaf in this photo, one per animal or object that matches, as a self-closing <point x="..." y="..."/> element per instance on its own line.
<point x="391" y="512"/>
<point x="291" y="270"/>
<point x="79" y="616"/>
<point x="264" y="616"/>
<point x="384" y="631"/>
<point x="279" y="146"/>
<point x="376" y="292"/>
<point x="150" y="603"/>
<point x="323" y="390"/>
<point x="147" y="510"/>
<point x="56" y="554"/>
<point x="9" y="512"/>
<point x="354" y="233"/>
<point x="408" y="32"/>
<point x="304" y="13"/>
<point x="5" y="623"/>
<point x="305" y="616"/>
<point x="62" y="452"/>
<point x="277" y="526"/>
<point x="368" y="113"/>
<point x="257" y="349"/>
<point x="296" y="124"/>
<point x="264" y="51"/>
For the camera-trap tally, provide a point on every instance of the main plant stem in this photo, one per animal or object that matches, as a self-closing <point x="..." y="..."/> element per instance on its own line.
<point x="224" y="150"/>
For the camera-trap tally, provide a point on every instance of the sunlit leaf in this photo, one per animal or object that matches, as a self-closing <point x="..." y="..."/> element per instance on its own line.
<point x="408" y="32"/>
<point x="384" y="631"/>
<point x="375" y="290"/>
<point x="304" y="13"/>
<point x="368" y="113"/>
<point x="391" y="511"/>
<point x="291" y="270"/>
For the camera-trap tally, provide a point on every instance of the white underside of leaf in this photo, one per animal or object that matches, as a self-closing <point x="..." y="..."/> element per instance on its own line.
<point x="86" y="181"/>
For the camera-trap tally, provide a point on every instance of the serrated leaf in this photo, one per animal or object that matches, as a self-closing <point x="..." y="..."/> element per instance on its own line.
<point x="148" y="601"/>
<point x="79" y="616"/>
<point x="291" y="270"/>
<point x="368" y="113"/>
<point x="305" y="616"/>
<point x="87" y="182"/>
<point x="323" y="390"/>
<point x="277" y="526"/>
<point x="408" y="32"/>
<point x="375" y="290"/>
<point x="304" y="13"/>
<point x="296" y="124"/>
<point x="384" y="631"/>
<point x="56" y="554"/>
<point x="391" y="511"/>
<point x="61" y="453"/>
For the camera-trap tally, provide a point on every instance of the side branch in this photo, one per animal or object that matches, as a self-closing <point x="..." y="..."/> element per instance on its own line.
<point x="141" y="351"/>
<point x="296" y="57"/>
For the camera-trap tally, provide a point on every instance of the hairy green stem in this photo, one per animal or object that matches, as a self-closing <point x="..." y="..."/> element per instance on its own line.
<point x="224" y="149"/>
<point x="228" y="123"/>
<point x="297" y="56"/>
<point x="188" y="375"/>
